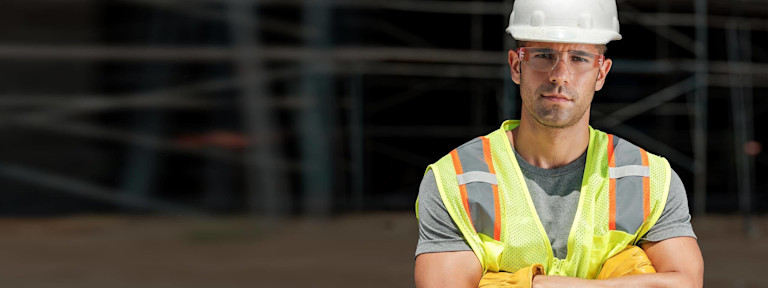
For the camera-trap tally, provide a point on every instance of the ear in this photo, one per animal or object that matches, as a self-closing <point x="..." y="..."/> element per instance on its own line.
<point x="602" y="73"/>
<point x="514" y="66"/>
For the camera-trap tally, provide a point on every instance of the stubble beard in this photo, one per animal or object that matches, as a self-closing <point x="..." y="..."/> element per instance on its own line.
<point x="557" y="116"/>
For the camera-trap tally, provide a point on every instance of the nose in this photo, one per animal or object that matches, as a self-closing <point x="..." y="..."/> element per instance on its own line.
<point x="560" y="73"/>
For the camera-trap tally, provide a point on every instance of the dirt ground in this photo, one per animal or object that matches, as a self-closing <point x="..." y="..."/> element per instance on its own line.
<point x="358" y="250"/>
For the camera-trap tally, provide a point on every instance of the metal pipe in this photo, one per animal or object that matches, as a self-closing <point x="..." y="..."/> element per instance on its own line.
<point x="700" y="114"/>
<point x="266" y="186"/>
<point x="742" y="124"/>
<point x="316" y="121"/>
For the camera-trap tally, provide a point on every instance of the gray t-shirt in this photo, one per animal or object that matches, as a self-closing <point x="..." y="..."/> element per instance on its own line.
<point x="555" y="194"/>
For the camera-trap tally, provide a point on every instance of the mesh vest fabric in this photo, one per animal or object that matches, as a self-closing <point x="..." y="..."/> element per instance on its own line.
<point x="523" y="240"/>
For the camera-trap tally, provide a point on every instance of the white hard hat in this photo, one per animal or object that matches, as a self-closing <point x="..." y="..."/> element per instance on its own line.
<point x="565" y="21"/>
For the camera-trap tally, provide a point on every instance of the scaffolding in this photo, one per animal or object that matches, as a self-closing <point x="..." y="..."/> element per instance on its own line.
<point x="333" y="150"/>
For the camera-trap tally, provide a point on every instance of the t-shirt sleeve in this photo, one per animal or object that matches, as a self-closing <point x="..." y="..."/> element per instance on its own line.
<point x="437" y="231"/>
<point x="675" y="219"/>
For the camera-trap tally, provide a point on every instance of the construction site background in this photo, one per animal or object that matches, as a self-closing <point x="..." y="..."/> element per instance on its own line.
<point x="280" y="143"/>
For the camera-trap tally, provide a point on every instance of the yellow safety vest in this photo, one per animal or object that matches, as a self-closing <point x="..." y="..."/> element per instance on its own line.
<point x="623" y="192"/>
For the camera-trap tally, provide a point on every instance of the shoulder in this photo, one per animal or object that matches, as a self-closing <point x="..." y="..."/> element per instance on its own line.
<point x="428" y="186"/>
<point x="676" y="183"/>
<point x="472" y="149"/>
<point x="624" y="152"/>
<point x="429" y="195"/>
<point x="677" y="199"/>
<point x="475" y="144"/>
<point x="625" y="146"/>
<point x="617" y="142"/>
<point x="675" y="220"/>
<point x="471" y="146"/>
<point x="437" y="230"/>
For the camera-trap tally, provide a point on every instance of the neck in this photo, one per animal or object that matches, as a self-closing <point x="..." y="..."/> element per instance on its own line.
<point x="547" y="147"/>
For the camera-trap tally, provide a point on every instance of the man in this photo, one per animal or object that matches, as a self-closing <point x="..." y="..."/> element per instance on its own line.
<point x="548" y="194"/>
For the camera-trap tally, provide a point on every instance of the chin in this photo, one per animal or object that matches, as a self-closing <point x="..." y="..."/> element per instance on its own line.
<point x="557" y="122"/>
<point x="554" y="124"/>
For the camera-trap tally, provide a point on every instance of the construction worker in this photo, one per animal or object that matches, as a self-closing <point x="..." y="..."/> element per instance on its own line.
<point x="548" y="201"/>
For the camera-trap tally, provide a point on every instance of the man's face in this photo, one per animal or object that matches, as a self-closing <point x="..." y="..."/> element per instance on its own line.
<point x="562" y="96"/>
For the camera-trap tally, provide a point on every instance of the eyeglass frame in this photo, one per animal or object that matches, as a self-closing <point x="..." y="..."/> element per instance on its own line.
<point x="600" y="58"/>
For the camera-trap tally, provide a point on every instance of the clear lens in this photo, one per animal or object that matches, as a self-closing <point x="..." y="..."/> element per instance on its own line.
<point x="544" y="60"/>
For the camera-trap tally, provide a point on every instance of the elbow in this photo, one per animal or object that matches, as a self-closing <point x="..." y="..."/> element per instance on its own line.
<point x="698" y="277"/>
<point x="693" y="278"/>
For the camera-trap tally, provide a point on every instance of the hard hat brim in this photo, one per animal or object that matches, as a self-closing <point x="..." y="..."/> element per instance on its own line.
<point x="562" y="34"/>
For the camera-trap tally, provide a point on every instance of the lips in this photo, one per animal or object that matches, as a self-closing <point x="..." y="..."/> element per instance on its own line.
<point x="556" y="97"/>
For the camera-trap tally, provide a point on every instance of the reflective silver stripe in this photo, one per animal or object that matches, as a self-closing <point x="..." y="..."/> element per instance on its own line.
<point x="481" y="207"/>
<point x="471" y="156"/>
<point x="479" y="183"/>
<point x="629" y="190"/>
<point x="629" y="204"/>
<point x="629" y="170"/>
<point x="477" y="176"/>
<point x="626" y="153"/>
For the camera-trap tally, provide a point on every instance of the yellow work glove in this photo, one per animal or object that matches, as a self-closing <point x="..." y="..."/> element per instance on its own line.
<point x="630" y="261"/>
<point x="520" y="279"/>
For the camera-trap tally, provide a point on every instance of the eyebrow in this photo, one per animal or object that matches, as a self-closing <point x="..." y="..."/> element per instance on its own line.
<point x="581" y="53"/>
<point x="544" y="50"/>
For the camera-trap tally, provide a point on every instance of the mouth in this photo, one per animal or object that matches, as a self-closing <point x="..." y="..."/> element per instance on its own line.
<point x="556" y="97"/>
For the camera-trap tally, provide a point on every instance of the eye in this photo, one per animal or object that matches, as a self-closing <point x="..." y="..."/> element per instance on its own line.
<point x="544" y="55"/>
<point x="580" y="59"/>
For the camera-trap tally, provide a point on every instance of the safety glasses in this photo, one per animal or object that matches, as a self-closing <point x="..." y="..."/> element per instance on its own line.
<point x="545" y="59"/>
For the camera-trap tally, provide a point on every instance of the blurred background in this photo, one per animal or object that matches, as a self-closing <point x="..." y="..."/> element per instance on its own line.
<point x="281" y="143"/>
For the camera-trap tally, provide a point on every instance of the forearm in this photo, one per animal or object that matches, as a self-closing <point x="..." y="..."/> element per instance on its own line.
<point x="447" y="269"/>
<point x="656" y="280"/>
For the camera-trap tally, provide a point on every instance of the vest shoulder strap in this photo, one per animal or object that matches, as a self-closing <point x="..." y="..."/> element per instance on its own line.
<point x="478" y="186"/>
<point x="629" y="173"/>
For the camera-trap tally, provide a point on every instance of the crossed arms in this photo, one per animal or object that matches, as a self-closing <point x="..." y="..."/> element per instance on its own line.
<point x="678" y="263"/>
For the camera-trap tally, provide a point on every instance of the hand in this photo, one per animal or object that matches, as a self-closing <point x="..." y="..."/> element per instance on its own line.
<point x="520" y="279"/>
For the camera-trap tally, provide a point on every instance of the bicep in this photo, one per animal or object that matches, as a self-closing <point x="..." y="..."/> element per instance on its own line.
<point x="444" y="258"/>
<point x="437" y="231"/>
<point x="448" y="269"/>
<point x="675" y="219"/>
<point x="679" y="254"/>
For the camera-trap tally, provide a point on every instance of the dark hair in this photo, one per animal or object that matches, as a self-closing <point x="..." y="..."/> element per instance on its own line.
<point x="601" y="48"/>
